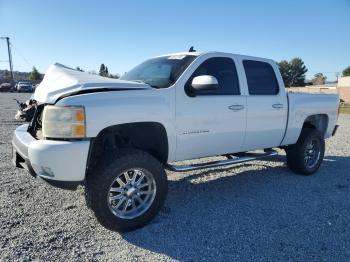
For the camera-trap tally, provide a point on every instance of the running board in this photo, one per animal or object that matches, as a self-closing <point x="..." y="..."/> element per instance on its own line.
<point x="245" y="157"/>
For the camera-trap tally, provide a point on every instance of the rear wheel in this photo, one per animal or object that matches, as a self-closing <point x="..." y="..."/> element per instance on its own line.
<point x="306" y="156"/>
<point x="126" y="190"/>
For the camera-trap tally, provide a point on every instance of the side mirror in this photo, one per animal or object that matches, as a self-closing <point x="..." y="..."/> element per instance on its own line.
<point x="205" y="82"/>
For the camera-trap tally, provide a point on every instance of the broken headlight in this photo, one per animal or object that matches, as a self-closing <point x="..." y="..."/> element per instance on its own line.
<point x="63" y="122"/>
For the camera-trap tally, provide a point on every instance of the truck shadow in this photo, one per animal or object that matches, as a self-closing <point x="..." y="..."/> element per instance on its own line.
<point x="259" y="213"/>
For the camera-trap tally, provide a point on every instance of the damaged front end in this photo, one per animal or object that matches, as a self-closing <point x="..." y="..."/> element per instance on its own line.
<point x="35" y="125"/>
<point x="26" y="110"/>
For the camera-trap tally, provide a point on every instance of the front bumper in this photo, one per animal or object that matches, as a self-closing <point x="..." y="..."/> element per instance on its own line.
<point x="49" y="159"/>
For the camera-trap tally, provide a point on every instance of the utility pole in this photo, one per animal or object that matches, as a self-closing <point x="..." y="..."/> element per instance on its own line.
<point x="9" y="54"/>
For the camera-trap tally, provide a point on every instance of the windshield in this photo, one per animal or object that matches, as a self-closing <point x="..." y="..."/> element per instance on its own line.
<point x="160" y="72"/>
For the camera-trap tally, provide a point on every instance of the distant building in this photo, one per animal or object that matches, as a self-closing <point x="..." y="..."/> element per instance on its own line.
<point x="344" y="88"/>
<point x="324" y="89"/>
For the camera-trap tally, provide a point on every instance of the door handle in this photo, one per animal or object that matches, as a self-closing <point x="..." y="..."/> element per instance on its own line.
<point x="236" y="107"/>
<point x="278" y="106"/>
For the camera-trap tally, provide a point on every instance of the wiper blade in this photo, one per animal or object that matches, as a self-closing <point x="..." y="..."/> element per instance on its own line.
<point x="152" y="85"/>
<point x="143" y="82"/>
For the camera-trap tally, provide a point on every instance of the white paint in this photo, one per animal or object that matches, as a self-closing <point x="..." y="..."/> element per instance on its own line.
<point x="60" y="80"/>
<point x="196" y="126"/>
<point x="66" y="160"/>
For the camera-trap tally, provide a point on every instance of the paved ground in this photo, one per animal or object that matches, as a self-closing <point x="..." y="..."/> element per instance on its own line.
<point x="258" y="211"/>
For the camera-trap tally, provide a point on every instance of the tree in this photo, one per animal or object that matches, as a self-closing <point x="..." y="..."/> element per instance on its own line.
<point x="35" y="75"/>
<point x="7" y="74"/>
<point x="115" y="76"/>
<point x="79" y="69"/>
<point x="293" y="72"/>
<point x="285" y="70"/>
<point x="319" y="79"/>
<point x="102" y="70"/>
<point x="298" y="70"/>
<point x="346" y="71"/>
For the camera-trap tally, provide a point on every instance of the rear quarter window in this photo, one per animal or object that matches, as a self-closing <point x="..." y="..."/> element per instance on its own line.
<point x="261" y="78"/>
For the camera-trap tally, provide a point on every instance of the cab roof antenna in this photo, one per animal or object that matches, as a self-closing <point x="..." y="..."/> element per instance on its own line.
<point x="191" y="49"/>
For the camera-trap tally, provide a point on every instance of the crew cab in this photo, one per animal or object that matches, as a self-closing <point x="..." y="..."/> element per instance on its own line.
<point x="117" y="137"/>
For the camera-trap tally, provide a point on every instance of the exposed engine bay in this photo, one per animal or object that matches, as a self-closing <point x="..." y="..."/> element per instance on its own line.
<point x="26" y="110"/>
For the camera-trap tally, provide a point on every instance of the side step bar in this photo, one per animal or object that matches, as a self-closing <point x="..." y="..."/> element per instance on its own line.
<point x="241" y="158"/>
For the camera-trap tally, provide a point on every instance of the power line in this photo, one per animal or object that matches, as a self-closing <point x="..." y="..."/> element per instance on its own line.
<point x="22" y="56"/>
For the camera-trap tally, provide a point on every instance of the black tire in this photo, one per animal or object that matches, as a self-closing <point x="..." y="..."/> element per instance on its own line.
<point x="99" y="181"/>
<point x="296" y="153"/>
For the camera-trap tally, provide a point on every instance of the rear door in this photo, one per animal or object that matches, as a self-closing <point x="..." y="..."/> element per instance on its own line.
<point x="266" y="105"/>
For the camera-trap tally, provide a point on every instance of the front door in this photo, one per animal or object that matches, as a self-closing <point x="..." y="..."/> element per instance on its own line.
<point x="211" y="122"/>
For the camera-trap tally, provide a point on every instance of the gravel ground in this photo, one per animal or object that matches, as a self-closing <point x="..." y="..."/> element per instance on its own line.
<point x="257" y="211"/>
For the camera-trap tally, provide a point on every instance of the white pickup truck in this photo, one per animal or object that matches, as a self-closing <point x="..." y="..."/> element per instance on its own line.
<point x="116" y="137"/>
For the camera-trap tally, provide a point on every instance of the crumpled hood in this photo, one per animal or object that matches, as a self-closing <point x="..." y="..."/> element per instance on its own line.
<point x="60" y="81"/>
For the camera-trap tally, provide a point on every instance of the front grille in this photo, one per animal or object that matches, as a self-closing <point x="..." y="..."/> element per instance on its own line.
<point x="34" y="127"/>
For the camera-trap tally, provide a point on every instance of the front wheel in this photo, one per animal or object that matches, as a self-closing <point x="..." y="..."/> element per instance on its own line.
<point x="126" y="189"/>
<point x="306" y="156"/>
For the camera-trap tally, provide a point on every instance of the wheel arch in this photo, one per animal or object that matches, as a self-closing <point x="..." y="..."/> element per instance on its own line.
<point x="318" y="122"/>
<point x="147" y="136"/>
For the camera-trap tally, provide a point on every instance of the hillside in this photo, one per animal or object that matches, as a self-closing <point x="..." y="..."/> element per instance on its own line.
<point x="5" y="74"/>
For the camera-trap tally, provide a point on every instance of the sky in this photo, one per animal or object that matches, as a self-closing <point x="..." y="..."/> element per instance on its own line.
<point x="122" y="34"/>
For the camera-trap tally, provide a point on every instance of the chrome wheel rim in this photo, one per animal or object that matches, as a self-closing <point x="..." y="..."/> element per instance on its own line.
<point x="312" y="153"/>
<point x="131" y="193"/>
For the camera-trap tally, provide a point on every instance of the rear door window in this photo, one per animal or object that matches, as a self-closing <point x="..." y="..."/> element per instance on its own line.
<point x="261" y="78"/>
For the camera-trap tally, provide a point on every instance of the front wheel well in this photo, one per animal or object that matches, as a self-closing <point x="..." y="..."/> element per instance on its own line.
<point x="150" y="137"/>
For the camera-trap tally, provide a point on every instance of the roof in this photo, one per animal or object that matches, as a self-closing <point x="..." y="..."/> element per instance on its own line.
<point x="182" y="54"/>
<point x="219" y="54"/>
